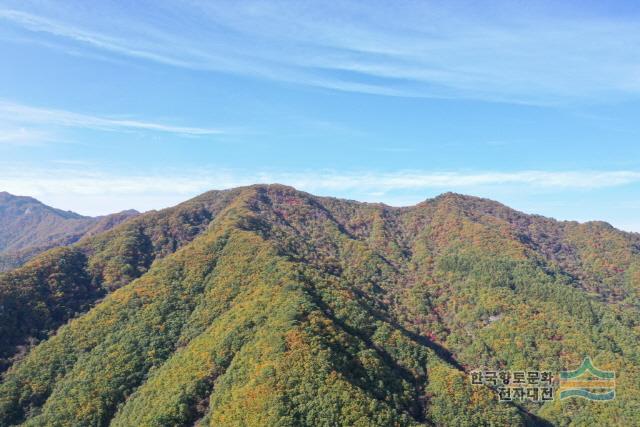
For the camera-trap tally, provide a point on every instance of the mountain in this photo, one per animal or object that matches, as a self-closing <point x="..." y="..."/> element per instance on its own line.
<point x="29" y="227"/>
<point x="267" y="306"/>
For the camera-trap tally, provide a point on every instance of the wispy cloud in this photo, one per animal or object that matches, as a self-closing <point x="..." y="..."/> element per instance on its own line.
<point x="40" y="24"/>
<point x="27" y="114"/>
<point x="428" y="49"/>
<point x="23" y="136"/>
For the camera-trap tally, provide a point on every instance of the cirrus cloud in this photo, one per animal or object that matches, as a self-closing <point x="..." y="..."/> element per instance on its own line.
<point x="25" y="114"/>
<point x="429" y="49"/>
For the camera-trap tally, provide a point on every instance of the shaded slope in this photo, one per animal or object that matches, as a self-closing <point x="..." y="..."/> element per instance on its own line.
<point x="291" y="309"/>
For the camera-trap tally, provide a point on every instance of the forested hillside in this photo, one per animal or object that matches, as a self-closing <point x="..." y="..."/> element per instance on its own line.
<point x="29" y="227"/>
<point x="267" y="306"/>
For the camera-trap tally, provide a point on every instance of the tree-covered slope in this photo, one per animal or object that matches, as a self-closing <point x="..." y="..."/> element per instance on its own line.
<point x="269" y="306"/>
<point x="29" y="227"/>
<point x="48" y="284"/>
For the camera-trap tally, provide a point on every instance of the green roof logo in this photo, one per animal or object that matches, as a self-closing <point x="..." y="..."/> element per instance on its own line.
<point x="588" y="382"/>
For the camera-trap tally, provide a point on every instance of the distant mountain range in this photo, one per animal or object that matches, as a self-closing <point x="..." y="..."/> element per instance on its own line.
<point x="29" y="227"/>
<point x="267" y="306"/>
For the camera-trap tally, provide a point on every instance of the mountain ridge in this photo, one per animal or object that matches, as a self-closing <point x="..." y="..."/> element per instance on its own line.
<point x="264" y="305"/>
<point x="29" y="227"/>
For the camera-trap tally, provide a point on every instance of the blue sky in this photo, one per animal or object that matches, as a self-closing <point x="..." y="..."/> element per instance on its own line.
<point x="112" y="105"/>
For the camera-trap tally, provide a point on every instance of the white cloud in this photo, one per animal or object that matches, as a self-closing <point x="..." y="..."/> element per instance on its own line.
<point x="27" y="114"/>
<point x="146" y="191"/>
<point x="430" y="49"/>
